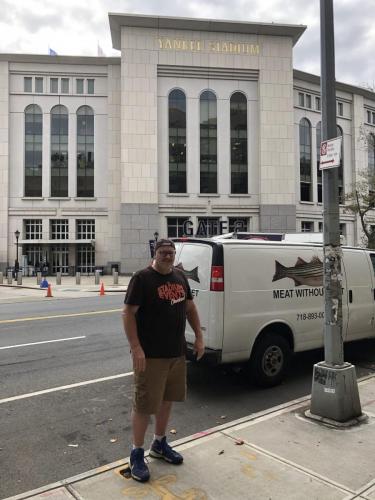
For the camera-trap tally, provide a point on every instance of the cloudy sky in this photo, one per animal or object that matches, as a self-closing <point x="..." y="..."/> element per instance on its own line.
<point x="71" y="28"/>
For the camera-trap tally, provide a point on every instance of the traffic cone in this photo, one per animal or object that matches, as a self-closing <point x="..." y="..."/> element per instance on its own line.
<point x="49" y="291"/>
<point x="102" y="292"/>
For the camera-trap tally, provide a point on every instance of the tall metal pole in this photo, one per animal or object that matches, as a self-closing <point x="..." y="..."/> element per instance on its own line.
<point x="333" y="342"/>
<point x="16" y="264"/>
<point x="334" y="390"/>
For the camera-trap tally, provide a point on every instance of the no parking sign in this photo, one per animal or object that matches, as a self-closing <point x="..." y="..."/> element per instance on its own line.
<point x="330" y="153"/>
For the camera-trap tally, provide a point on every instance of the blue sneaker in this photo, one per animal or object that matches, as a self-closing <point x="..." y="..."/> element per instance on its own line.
<point x="161" y="449"/>
<point x="138" y="467"/>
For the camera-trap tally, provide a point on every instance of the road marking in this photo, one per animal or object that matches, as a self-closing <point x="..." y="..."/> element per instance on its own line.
<point x="64" y="387"/>
<point x="42" y="342"/>
<point x="71" y="315"/>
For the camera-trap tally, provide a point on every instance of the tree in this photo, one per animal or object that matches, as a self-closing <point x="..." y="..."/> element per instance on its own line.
<point x="361" y="201"/>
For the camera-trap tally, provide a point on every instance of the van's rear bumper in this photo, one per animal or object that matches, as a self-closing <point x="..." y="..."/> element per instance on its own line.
<point x="211" y="357"/>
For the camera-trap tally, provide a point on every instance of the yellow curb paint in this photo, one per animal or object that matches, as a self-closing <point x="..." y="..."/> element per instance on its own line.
<point x="38" y="318"/>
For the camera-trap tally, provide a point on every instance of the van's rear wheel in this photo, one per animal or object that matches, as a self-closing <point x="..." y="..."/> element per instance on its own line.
<point x="269" y="360"/>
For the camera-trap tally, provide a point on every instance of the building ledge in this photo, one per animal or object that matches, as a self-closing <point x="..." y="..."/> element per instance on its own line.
<point x="59" y="198"/>
<point x="178" y="195"/>
<point x="208" y="195"/>
<point x="91" y="198"/>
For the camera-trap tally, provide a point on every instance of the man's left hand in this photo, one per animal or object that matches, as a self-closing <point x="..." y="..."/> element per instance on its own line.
<point x="198" y="348"/>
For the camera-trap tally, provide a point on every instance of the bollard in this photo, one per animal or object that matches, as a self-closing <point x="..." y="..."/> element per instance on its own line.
<point x="38" y="278"/>
<point x="97" y="277"/>
<point x="115" y="278"/>
<point x="19" y="278"/>
<point x="1" y="278"/>
<point x="78" y="278"/>
<point x="58" y="278"/>
<point x="10" y="278"/>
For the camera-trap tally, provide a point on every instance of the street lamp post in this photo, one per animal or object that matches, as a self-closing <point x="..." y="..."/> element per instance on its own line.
<point x="156" y="236"/>
<point x="334" y="394"/>
<point x="16" y="264"/>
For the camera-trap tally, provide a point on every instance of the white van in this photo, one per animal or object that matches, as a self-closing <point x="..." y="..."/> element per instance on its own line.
<point x="260" y="301"/>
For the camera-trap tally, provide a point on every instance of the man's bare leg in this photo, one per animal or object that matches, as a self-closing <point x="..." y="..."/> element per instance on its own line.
<point x="140" y="423"/>
<point x="162" y="418"/>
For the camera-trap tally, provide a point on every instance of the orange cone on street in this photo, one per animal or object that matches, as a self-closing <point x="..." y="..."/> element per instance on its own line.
<point x="102" y="292"/>
<point x="49" y="291"/>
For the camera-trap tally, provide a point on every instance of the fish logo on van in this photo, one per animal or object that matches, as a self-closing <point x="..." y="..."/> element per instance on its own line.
<point x="303" y="273"/>
<point x="191" y="275"/>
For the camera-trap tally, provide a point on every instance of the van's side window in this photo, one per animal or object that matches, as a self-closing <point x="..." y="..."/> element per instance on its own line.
<point x="372" y="257"/>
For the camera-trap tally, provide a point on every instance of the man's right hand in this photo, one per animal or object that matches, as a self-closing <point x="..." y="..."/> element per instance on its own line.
<point x="139" y="359"/>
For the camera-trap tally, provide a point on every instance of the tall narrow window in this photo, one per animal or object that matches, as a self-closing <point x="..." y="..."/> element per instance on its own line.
<point x="208" y="143"/>
<point x="33" y="150"/>
<point x="79" y="86"/>
<point x="54" y="85"/>
<point x="85" y="152"/>
<point x="305" y="159"/>
<point x="341" y="167"/>
<point x="27" y="84"/>
<point x="39" y="85"/>
<point x="177" y="141"/>
<point x="319" y="173"/>
<point x="238" y="144"/>
<point x="65" y="85"/>
<point x="59" y="151"/>
<point x="90" y="86"/>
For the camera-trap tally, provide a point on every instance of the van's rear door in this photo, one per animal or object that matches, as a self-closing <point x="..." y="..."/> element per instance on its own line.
<point x="196" y="258"/>
<point x="359" y="294"/>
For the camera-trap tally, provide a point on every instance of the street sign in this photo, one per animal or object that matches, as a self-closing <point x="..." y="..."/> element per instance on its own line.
<point x="330" y="153"/>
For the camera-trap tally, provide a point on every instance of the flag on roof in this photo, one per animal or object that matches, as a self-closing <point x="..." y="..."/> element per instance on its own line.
<point x="100" y="51"/>
<point x="51" y="52"/>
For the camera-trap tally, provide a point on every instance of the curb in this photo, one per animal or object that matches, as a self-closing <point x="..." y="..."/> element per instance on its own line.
<point x="293" y="404"/>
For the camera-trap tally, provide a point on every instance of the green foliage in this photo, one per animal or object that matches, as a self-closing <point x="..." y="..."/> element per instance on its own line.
<point x="361" y="201"/>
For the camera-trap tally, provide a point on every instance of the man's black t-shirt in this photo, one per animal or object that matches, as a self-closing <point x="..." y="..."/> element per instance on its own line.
<point x="161" y="317"/>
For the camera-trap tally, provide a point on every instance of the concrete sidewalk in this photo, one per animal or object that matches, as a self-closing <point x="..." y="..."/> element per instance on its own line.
<point x="30" y="291"/>
<point x="277" y="454"/>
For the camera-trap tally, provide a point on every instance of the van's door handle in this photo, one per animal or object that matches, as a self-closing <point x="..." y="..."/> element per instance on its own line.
<point x="350" y="296"/>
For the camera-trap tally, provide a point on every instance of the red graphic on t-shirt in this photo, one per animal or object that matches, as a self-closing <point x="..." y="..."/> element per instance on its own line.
<point x="172" y="291"/>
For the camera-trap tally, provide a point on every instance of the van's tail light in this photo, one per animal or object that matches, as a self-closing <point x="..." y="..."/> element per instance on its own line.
<point x="217" y="278"/>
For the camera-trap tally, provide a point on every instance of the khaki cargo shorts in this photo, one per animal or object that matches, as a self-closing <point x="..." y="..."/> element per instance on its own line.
<point x="163" y="380"/>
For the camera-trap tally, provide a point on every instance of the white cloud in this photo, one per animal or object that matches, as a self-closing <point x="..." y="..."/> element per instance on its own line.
<point x="34" y="25"/>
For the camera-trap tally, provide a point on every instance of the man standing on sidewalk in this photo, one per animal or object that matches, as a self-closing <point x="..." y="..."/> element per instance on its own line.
<point x="157" y="303"/>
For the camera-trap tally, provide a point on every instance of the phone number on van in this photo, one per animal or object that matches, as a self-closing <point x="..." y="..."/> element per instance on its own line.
<point x="314" y="315"/>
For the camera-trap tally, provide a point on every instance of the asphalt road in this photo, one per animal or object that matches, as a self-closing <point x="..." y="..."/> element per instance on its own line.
<point x="51" y="430"/>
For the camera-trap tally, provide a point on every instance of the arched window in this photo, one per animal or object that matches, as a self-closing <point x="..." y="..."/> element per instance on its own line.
<point x="305" y="159"/>
<point x="33" y="150"/>
<point x="208" y="142"/>
<point x="59" y="151"/>
<point x="177" y="141"/>
<point x="85" y="152"/>
<point x="319" y="172"/>
<point x="341" y="167"/>
<point x="238" y="143"/>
